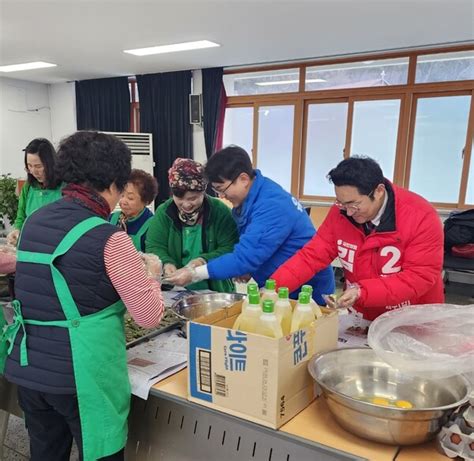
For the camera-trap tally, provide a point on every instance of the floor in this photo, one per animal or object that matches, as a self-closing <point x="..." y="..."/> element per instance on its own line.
<point x="16" y="446"/>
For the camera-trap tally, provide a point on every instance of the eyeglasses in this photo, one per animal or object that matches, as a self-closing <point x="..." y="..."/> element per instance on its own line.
<point x="222" y="192"/>
<point x="353" y="206"/>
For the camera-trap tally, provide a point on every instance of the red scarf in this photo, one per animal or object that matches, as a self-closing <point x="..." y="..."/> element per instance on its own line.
<point x="87" y="197"/>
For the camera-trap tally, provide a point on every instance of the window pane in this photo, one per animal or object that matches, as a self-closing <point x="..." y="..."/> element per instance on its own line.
<point x="375" y="130"/>
<point x="275" y="143"/>
<point x="325" y="140"/>
<point x="440" y="134"/>
<point x="357" y="74"/>
<point x="265" y="82"/>
<point x="470" y="182"/>
<point x="445" y="67"/>
<point x="238" y="128"/>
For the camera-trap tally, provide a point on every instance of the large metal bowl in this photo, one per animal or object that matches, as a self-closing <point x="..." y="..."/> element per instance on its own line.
<point x="193" y="306"/>
<point x="346" y="376"/>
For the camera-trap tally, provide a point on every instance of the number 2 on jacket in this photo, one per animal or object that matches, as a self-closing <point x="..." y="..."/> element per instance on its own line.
<point x="389" y="267"/>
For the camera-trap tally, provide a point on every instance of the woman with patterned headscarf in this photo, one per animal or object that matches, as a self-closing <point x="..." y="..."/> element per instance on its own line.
<point x="191" y="228"/>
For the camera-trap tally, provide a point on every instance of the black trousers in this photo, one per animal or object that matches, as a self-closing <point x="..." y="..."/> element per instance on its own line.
<point x="53" y="421"/>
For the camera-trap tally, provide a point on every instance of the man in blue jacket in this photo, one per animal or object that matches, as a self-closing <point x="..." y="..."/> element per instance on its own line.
<point x="272" y="226"/>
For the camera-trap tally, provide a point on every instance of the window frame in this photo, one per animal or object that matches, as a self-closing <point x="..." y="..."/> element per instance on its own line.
<point x="408" y="93"/>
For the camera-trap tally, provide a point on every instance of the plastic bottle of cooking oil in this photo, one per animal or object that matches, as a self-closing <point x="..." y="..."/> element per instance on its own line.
<point x="303" y="314"/>
<point x="249" y="319"/>
<point x="251" y="288"/>
<point x="316" y="309"/>
<point x="283" y="310"/>
<point x="269" y="324"/>
<point x="269" y="291"/>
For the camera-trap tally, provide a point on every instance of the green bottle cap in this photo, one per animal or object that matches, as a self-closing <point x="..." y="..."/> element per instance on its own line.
<point x="307" y="289"/>
<point x="267" y="306"/>
<point x="303" y="298"/>
<point x="270" y="284"/>
<point x="252" y="288"/>
<point x="254" y="298"/>
<point x="283" y="293"/>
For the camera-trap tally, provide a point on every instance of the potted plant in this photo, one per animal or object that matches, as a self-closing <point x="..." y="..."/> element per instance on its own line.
<point x="8" y="200"/>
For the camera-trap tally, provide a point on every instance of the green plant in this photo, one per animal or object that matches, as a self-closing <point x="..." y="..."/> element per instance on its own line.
<point x="8" y="197"/>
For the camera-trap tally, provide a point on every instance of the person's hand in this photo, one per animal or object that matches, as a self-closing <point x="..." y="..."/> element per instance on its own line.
<point x="196" y="262"/>
<point x="152" y="265"/>
<point x="169" y="269"/>
<point x="12" y="237"/>
<point x="243" y="278"/>
<point x="349" y="297"/>
<point x="181" y="277"/>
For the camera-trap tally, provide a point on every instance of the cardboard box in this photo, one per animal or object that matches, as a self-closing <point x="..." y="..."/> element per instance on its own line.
<point x="261" y="379"/>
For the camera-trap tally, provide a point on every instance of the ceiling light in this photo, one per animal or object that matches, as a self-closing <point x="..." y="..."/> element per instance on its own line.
<point x="26" y="66"/>
<point x="172" y="48"/>
<point x="288" y="82"/>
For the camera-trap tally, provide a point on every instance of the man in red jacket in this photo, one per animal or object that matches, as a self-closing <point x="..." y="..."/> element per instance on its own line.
<point x="389" y="242"/>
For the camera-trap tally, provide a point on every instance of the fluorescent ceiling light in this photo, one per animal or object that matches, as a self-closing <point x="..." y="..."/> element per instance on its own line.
<point x="287" y="82"/>
<point x="26" y="66"/>
<point x="172" y="48"/>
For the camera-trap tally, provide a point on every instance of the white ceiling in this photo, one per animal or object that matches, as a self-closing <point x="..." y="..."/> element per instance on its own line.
<point x="86" y="38"/>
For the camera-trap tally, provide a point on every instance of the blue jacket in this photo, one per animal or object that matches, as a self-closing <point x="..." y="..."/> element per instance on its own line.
<point x="272" y="227"/>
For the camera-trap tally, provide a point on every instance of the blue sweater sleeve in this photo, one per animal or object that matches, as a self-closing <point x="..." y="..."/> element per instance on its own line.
<point x="267" y="230"/>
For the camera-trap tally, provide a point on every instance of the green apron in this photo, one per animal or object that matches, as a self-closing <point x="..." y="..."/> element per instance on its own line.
<point x="3" y="342"/>
<point x="38" y="198"/>
<point x="137" y="238"/>
<point x="98" y="355"/>
<point x="192" y="248"/>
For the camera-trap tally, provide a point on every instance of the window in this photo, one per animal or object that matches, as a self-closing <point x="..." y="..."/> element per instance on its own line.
<point x="470" y="183"/>
<point x="416" y="128"/>
<point x="238" y="127"/>
<point x="325" y="141"/>
<point x="275" y="143"/>
<point x="375" y="131"/>
<point x="438" y="143"/>
<point x="445" y="67"/>
<point x="357" y="74"/>
<point x="266" y="82"/>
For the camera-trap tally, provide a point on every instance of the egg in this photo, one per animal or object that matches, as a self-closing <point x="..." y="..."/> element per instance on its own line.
<point x="403" y="404"/>
<point x="380" y="401"/>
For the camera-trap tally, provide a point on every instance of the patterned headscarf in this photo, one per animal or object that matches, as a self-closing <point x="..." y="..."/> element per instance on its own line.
<point x="186" y="174"/>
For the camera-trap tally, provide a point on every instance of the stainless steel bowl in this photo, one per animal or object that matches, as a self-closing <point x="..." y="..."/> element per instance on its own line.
<point x="348" y="375"/>
<point x="194" y="306"/>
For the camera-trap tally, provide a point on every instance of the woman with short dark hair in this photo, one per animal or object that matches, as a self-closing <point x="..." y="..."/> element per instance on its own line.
<point x="134" y="217"/>
<point x="67" y="353"/>
<point x="42" y="185"/>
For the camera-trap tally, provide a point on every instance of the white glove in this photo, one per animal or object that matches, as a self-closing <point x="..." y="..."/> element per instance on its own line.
<point x="12" y="237"/>
<point x="169" y="269"/>
<point x="152" y="264"/>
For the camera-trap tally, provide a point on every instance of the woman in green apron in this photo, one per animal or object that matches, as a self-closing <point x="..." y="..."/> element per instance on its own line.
<point x="134" y="217"/>
<point x="76" y="275"/>
<point x="41" y="187"/>
<point x="191" y="228"/>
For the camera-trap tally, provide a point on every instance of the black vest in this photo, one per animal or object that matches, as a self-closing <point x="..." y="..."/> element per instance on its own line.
<point x="50" y="366"/>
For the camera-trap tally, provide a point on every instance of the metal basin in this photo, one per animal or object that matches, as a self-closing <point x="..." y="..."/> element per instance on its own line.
<point x="348" y="375"/>
<point x="194" y="306"/>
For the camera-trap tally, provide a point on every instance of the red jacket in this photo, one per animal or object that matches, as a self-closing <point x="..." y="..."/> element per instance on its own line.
<point x="398" y="265"/>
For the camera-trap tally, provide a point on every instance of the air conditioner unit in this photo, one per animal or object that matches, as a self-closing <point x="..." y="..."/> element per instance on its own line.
<point x="141" y="146"/>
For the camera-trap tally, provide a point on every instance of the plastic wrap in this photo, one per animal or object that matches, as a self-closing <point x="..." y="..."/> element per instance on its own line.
<point x="435" y="341"/>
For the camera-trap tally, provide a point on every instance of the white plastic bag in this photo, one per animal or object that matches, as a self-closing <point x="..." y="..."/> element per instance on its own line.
<point x="435" y="341"/>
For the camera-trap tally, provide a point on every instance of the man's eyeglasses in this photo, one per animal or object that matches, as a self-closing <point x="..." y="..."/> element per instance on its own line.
<point x="353" y="206"/>
<point x="222" y="192"/>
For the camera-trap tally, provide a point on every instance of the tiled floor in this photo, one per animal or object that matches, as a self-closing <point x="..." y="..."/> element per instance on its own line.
<point x="16" y="446"/>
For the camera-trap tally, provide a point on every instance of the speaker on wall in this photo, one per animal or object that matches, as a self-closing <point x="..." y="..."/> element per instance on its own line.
<point x="195" y="109"/>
